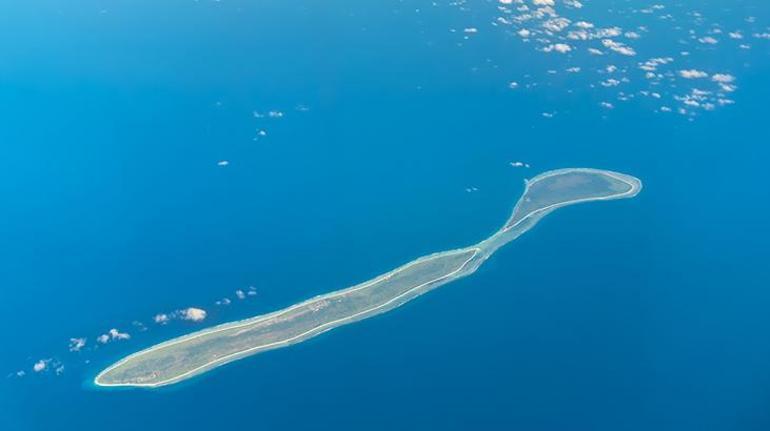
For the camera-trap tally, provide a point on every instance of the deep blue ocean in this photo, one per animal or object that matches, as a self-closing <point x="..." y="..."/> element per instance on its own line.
<point x="394" y="141"/>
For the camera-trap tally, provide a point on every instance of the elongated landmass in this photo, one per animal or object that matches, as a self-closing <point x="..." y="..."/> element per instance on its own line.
<point x="190" y="355"/>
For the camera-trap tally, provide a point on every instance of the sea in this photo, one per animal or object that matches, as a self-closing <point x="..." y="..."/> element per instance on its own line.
<point x="163" y="155"/>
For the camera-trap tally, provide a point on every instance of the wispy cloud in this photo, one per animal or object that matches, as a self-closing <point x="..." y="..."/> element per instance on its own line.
<point x="76" y="344"/>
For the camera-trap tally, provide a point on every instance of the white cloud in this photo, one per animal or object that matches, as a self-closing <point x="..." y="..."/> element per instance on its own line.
<point x="41" y="365"/>
<point x="693" y="74"/>
<point x="652" y="64"/>
<point x="561" y="48"/>
<point x="161" y="318"/>
<point x="708" y="40"/>
<point x="584" y="25"/>
<point x="223" y="301"/>
<point x="240" y="294"/>
<point x="610" y="83"/>
<point x="556" y="25"/>
<point x="117" y="335"/>
<point x="113" y="334"/>
<point x="76" y="344"/>
<point x="193" y="314"/>
<point x="723" y="78"/>
<point x="618" y="47"/>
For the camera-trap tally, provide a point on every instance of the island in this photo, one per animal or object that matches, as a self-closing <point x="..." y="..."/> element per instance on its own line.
<point x="182" y="358"/>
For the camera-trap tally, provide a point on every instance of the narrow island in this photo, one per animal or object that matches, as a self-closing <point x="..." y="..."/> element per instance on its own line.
<point x="182" y="358"/>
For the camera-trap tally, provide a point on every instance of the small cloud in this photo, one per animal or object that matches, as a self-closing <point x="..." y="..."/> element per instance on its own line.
<point x="240" y="294"/>
<point x="693" y="74"/>
<point x="161" y="318"/>
<point x="618" y="47"/>
<point x="261" y="133"/>
<point x="192" y="314"/>
<point x="117" y="335"/>
<point x="223" y="163"/>
<point x="584" y="25"/>
<point x="223" y="301"/>
<point x="113" y="334"/>
<point x="252" y="291"/>
<point x="76" y="344"/>
<point x="519" y="164"/>
<point x="41" y="365"/>
<point x="561" y="48"/>
<point x="723" y="78"/>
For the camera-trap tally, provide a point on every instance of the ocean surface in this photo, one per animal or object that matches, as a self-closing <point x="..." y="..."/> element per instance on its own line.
<point x="142" y="172"/>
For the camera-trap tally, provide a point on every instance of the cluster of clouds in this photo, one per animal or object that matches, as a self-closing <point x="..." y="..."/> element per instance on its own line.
<point x="263" y="117"/>
<point x="240" y="294"/>
<point x="77" y="344"/>
<point x="80" y="344"/>
<point x="191" y="314"/>
<point x="44" y="366"/>
<point x="113" y="335"/>
<point x="666" y="72"/>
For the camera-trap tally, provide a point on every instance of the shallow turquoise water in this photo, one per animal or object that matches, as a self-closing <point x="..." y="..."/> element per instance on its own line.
<point x="640" y="314"/>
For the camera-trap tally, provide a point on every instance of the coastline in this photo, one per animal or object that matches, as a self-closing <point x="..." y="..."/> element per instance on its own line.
<point x="481" y="251"/>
